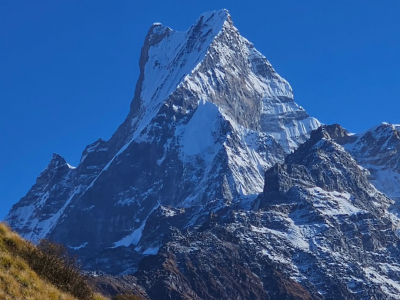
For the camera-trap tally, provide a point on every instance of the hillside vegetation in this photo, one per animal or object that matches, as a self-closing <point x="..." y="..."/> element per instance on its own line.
<point x="37" y="273"/>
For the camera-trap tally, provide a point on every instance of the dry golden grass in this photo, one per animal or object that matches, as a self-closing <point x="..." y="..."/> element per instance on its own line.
<point x="17" y="279"/>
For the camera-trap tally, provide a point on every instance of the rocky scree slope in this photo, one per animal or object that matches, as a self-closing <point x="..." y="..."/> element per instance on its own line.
<point x="209" y="116"/>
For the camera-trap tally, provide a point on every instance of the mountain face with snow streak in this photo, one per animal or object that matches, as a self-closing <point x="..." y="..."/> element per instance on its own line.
<point x="213" y="188"/>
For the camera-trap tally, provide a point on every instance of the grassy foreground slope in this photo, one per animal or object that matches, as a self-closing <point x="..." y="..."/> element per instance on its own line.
<point x="29" y="273"/>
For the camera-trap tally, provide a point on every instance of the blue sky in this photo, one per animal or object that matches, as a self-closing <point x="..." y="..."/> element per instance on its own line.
<point x="68" y="68"/>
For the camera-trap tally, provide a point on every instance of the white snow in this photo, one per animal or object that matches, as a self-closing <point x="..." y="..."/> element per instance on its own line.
<point x="23" y="214"/>
<point x="170" y="61"/>
<point x="47" y="225"/>
<point x="136" y="235"/>
<point x="132" y="238"/>
<point x="332" y="203"/>
<point x="167" y="211"/>
<point x="247" y="161"/>
<point x="388" y="181"/>
<point x="78" y="247"/>
<point x="40" y="229"/>
<point x="199" y="135"/>
<point x="375" y="150"/>
<point x="389" y="286"/>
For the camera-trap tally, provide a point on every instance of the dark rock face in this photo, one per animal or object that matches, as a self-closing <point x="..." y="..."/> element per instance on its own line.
<point x="178" y="199"/>
<point x="111" y="286"/>
<point x="46" y="197"/>
<point x="213" y="265"/>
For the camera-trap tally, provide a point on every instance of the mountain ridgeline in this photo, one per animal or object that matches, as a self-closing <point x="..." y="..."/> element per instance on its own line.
<point x="219" y="186"/>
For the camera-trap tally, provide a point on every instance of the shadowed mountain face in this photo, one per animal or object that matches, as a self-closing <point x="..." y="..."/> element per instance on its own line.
<point x="178" y="195"/>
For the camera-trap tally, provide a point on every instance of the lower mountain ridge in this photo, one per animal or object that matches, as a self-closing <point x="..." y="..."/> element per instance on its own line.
<point x="319" y="230"/>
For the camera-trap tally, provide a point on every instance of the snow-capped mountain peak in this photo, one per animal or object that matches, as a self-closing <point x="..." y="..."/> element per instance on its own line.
<point x="217" y="171"/>
<point x="172" y="55"/>
<point x="208" y="117"/>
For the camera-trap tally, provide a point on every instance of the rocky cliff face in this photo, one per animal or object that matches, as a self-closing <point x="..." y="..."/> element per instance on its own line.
<point x="350" y="238"/>
<point x="213" y="187"/>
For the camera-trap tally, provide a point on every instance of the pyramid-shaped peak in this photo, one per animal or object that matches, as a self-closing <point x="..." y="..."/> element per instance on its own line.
<point x="57" y="160"/>
<point x="168" y="56"/>
<point x="214" y="19"/>
<point x="211" y="61"/>
<point x="57" y="164"/>
<point x="223" y="13"/>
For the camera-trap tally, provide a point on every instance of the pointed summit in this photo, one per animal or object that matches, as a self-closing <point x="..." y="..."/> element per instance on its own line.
<point x="212" y="19"/>
<point x="168" y="56"/>
<point x="204" y="63"/>
<point x="56" y="162"/>
<point x="57" y="167"/>
<point x="57" y="159"/>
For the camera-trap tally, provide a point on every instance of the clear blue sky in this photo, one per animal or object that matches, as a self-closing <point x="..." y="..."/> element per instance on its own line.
<point x="68" y="68"/>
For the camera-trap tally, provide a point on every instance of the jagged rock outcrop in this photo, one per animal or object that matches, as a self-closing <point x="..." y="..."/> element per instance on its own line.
<point x="338" y="223"/>
<point x="319" y="221"/>
<point x="378" y="151"/>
